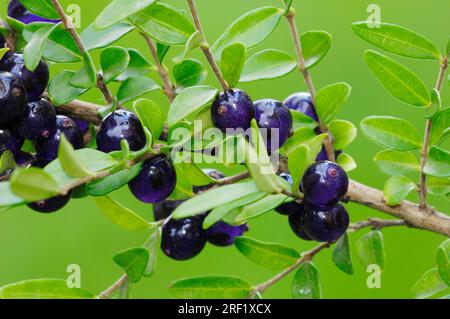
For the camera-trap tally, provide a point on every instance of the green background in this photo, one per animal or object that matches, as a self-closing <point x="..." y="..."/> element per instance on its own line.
<point x="33" y="245"/>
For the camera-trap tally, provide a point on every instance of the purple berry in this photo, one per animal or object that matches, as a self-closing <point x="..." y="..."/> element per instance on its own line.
<point x="163" y="209"/>
<point x="10" y="141"/>
<point x="82" y="124"/>
<point x="155" y="182"/>
<point x="232" y="109"/>
<point x="120" y="125"/>
<point x="47" y="150"/>
<point x="276" y="118"/>
<point x="287" y="208"/>
<point x="324" y="183"/>
<point x="222" y="234"/>
<point x="302" y="103"/>
<point x="51" y="205"/>
<point x="296" y="220"/>
<point x="184" y="238"/>
<point x="35" y="82"/>
<point x="39" y="121"/>
<point x="23" y="158"/>
<point x="323" y="155"/>
<point x="13" y="98"/>
<point x="2" y="42"/>
<point x="17" y="11"/>
<point x="327" y="223"/>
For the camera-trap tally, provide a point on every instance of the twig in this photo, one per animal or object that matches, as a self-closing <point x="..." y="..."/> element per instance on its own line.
<point x="205" y="46"/>
<point x="106" y="294"/>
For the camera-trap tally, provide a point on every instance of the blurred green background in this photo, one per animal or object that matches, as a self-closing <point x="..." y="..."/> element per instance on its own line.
<point x="33" y="245"/>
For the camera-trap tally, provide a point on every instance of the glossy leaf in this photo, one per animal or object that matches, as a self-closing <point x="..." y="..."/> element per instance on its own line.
<point x="397" y="189"/>
<point x="439" y="129"/>
<point x="69" y="160"/>
<point x="438" y="164"/>
<point x="397" y="163"/>
<point x="42" y="8"/>
<point x="298" y="162"/>
<point x="438" y="186"/>
<point x="139" y="65"/>
<point x="315" y="46"/>
<point x="118" y="10"/>
<point x="7" y="161"/>
<point x="344" y="133"/>
<point x="95" y="39"/>
<point x="85" y="78"/>
<point x="114" y="61"/>
<point x="370" y="249"/>
<point x="35" y="48"/>
<point x="259" y="207"/>
<point x="428" y="285"/>
<point x="331" y="99"/>
<point x="300" y="120"/>
<point x="60" y="91"/>
<point x="306" y="283"/>
<point x="341" y="255"/>
<point x="346" y="161"/>
<point x="33" y="184"/>
<point x="267" y="64"/>
<point x="443" y="261"/>
<point x="232" y="62"/>
<point x="189" y="72"/>
<point x="151" y="116"/>
<point x="152" y="246"/>
<point x="133" y="261"/>
<point x="135" y="87"/>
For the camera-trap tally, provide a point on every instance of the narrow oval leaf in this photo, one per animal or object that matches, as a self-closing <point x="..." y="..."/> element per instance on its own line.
<point x="95" y="39"/>
<point x="210" y="287"/>
<point x="428" y="285"/>
<point x="347" y="162"/>
<point x="396" y="189"/>
<point x="342" y="257"/>
<point x="135" y="87"/>
<point x="370" y="249"/>
<point x="42" y="8"/>
<point x="267" y="64"/>
<point x="260" y="207"/>
<point x="306" y="283"/>
<point x="438" y="164"/>
<point x="118" y="10"/>
<point x="441" y="124"/>
<point x="139" y="65"/>
<point x="189" y="72"/>
<point x="114" y="61"/>
<point x="443" y="261"/>
<point x="151" y="116"/>
<point x="60" y="91"/>
<point x="35" y="47"/>
<point x="315" y="46"/>
<point x="331" y="99"/>
<point x="7" y="161"/>
<point x="69" y="160"/>
<point x="133" y="261"/>
<point x="392" y="132"/>
<point x="268" y="255"/>
<point x="85" y="78"/>
<point x="398" y="80"/>
<point x="438" y="186"/>
<point x="33" y="184"/>
<point x="152" y="246"/>
<point x="396" y="39"/>
<point x="397" y="163"/>
<point x="344" y="133"/>
<point x="232" y="62"/>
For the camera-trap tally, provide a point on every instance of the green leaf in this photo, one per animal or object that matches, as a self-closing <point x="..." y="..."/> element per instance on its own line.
<point x="152" y="246"/>
<point x="139" y="65"/>
<point x="60" y="91"/>
<point x="259" y="207"/>
<point x="114" y="61"/>
<point x="232" y="62"/>
<point x="301" y="136"/>
<point x="189" y="101"/>
<point x="341" y="255"/>
<point x="438" y="164"/>
<point x="214" y="198"/>
<point x="193" y="42"/>
<point x="438" y="186"/>
<point x="133" y="261"/>
<point x="392" y="132"/>
<point x="7" y="161"/>
<point x="331" y="99"/>
<point x="7" y="197"/>
<point x="120" y="215"/>
<point x="398" y="80"/>
<point x="43" y="289"/>
<point x="42" y="8"/>
<point x="347" y="162"/>
<point x="396" y="39"/>
<point x="210" y="287"/>
<point x="268" y="255"/>
<point x="3" y="51"/>
<point x="315" y="46"/>
<point x="397" y="163"/>
<point x="96" y="39"/>
<point x="344" y="133"/>
<point x="151" y="116"/>
<point x="183" y="188"/>
<point x="428" y="285"/>
<point x="85" y="78"/>
<point x="439" y="129"/>
<point x="33" y="184"/>
<point x="306" y="283"/>
<point x="370" y="249"/>
<point x="267" y="64"/>
<point x="251" y="29"/>
<point x="443" y="261"/>
<point x="300" y="120"/>
<point x="189" y="72"/>
<point x="298" y="162"/>
<point x="396" y="189"/>
<point x="35" y="47"/>
<point x="135" y="87"/>
<point x="118" y="10"/>
<point x="164" y="23"/>
<point x="69" y="160"/>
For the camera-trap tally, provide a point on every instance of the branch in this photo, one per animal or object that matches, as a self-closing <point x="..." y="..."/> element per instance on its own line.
<point x="205" y="46"/>
<point x="106" y="294"/>
<point x="81" y="110"/>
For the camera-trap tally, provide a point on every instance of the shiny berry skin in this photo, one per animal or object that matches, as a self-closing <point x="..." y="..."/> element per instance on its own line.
<point x="232" y="109"/>
<point x="35" y="82"/>
<point x="325" y="224"/>
<point x="47" y="150"/>
<point x="117" y="126"/>
<point x="324" y="183"/>
<point x="276" y="118"/>
<point x="155" y="182"/>
<point x="287" y="208"/>
<point x="323" y="155"/>
<point x="302" y="103"/>
<point x="51" y="205"/>
<point x="13" y="98"/>
<point x="82" y="124"/>
<point x="39" y="121"/>
<point x="222" y="234"/>
<point x="296" y="220"/>
<point x="17" y="11"/>
<point x="10" y="141"/>
<point x="163" y="209"/>
<point x="183" y="239"/>
<point x="23" y="158"/>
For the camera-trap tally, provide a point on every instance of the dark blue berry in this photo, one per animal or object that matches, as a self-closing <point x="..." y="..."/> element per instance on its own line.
<point x="323" y="155"/>
<point x="47" y="150"/>
<point x="155" y="182"/>
<point x="275" y="118"/>
<point x="302" y="103"/>
<point x="10" y="141"/>
<point x="39" y="121"/>
<point x="23" y="158"/>
<point x="232" y="109"/>
<point x="296" y="220"/>
<point x="222" y="234"/>
<point x="17" y="11"/>
<point x="82" y="124"/>
<point x="51" y="205"/>
<point x="120" y="125"/>
<point x="324" y="183"/>
<point x="287" y="208"/>
<point x="2" y="42"/>
<point x="35" y="82"/>
<point x="325" y="224"/>
<point x="163" y="209"/>
<point x="13" y="98"/>
<point x="184" y="238"/>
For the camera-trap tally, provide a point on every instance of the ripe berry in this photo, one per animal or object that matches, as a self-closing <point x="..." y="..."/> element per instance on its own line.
<point x="23" y="158"/>
<point x="287" y="208"/>
<point x="2" y="42"/>
<point x="324" y="183"/>
<point x="155" y="182"/>
<point x="326" y="224"/>
<point x="82" y="124"/>
<point x="47" y="150"/>
<point x="222" y="234"/>
<point x="276" y="118"/>
<point x="51" y="205"/>
<point x="13" y="98"/>
<point x="163" y="209"/>
<point x="302" y="103"/>
<point x="117" y="126"/>
<point x="39" y="121"/>
<point x="296" y="220"/>
<point x="35" y="82"/>
<point x="10" y="141"/>
<point x="184" y="238"/>
<point x="323" y="155"/>
<point x="17" y="11"/>
<point x="232" y="109"/>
